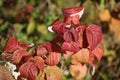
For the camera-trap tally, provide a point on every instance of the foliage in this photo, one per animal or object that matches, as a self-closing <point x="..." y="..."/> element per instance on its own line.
<point x="76" y="40"/>
<point x="27" y="21"/>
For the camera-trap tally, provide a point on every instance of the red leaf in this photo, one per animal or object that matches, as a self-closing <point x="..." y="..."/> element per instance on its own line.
<point x="98" y="52"/>
<point x="26" y="58"/>
<point x="73" y="46"/>
<point x="57" y="39"/>
<point x="58" y="26"/>
<point x="73" y="14"/>
<point x="53" y="58"/>
<point x="72" y="10"/>
<point x="70" y="35"/>
<point x="67" y="19"/>
<point x="94" y="36"/>
<point x="96" y="55"/>
<point x="80" y="29"/>
<point x="41" y="50"/>
<point x="11" y="45"/>
<point x="75" y="19"/>
<point x="28" y="70"/>
<point x="56" y="48"/>
<point x="48" y="46"/>
<point x="74" y="34"/>
<point x="39" y="62"/>
<point x="17" y="55"/>
<point x="24" y="45"/>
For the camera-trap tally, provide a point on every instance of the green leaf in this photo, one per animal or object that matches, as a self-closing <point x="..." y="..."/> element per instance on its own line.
<point x="4" y="26"/>
<point x="67" y="63"/>
<point x="31" y="27"/>
<point x="34" y="14"/>
<point x="41" y="28"/>
<point x="1" y="2"/>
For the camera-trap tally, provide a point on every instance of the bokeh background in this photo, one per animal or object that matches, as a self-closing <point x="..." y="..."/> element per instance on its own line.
<point x="28" y="21"/>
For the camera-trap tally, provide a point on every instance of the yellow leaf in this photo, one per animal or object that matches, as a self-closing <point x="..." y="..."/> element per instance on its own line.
<point x="40" y="76"/>
<point x="53" y="73"/>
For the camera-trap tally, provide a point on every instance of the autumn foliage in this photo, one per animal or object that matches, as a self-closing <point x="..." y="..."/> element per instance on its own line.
<point x="79" y="41"/>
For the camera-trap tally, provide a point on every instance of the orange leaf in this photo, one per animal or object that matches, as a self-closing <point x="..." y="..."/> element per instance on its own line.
<point x="82" y="56"/>
<point x="104" y="15"/>
<point x="78" y="71"/>
<point x="114" y="26"/>
<point x="96" y="55"/>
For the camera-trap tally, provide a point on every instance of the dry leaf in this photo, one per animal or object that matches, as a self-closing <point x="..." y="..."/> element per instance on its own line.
<point x="5" y="74"/>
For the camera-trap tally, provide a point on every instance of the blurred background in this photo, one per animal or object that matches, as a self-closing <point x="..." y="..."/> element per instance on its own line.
<point x="28" y="21"/>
